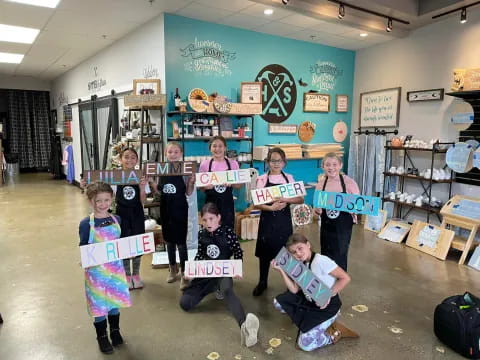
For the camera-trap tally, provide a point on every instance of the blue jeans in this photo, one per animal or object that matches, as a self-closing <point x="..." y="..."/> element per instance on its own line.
<point x="114" y="311"/>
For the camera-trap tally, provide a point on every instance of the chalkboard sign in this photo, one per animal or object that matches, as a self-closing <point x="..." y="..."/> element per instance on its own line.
<point x="380" y="108"/>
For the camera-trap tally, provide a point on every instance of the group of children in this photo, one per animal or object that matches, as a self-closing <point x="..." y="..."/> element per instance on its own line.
<point x="107" y="286"/>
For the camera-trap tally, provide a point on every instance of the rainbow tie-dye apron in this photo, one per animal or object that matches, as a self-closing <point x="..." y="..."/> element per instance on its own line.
<point x="106" y="285"/>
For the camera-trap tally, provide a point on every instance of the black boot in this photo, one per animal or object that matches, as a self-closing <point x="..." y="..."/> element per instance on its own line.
<point x="259" y="289"/>
<point x="115" y="336"/>
<point x="102" y="338"/>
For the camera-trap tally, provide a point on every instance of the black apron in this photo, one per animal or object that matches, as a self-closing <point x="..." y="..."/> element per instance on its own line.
<point x="173" y="209"/>
<point x="222" y="196"/>
<point x="305" y="313"/>
<point x="273" y="230"/>
<point x="130" y="209"/>
<point x="336" y="232"/>
<point x="217" y="248"/>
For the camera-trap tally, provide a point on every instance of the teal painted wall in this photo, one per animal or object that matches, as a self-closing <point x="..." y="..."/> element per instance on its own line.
<point x="245" y="54"/>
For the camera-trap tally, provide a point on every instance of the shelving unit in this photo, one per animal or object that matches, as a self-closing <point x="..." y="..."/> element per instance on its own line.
<point x="1" y="162"/>
<point x="155" y="141"/>
<point x="426" y="183"/>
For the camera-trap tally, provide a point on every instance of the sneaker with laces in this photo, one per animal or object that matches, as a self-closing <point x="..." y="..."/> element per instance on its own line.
<point x="130" y="282"/>
<point x="137" y="282"/>
<point x="249" y="330"/>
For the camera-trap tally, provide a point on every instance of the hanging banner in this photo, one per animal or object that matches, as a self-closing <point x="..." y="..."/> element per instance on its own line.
<point x="213" y="268"/>
<point x="351" y="203"/>
<point x="170" y="168"/>
<point x="311" y="285"/>
<point x="272" y="193"/>
<point x="123" y="248"/>
<point x="239" y="176"/>
<point x="114" y="177"/>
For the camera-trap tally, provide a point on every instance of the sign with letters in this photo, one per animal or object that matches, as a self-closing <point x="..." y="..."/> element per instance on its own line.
<point x="351" y="203"/>
<point x="271" y="193"/>
<point x="213" y="268"/>
<point x="123" y="248"/>
<point x="114" y="177"/>
<point x="170" y="168"/>
<point x="303" y="277"/>
<point x="239" y="176"/>
<point x="380" y="108"/>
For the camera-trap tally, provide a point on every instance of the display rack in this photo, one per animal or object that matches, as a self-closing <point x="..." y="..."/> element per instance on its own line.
<point x="1" y="162"/>
<point x="427" y="184"/>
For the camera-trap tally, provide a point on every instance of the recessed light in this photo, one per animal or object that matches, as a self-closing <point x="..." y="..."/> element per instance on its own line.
<point x="11" y="58"/>
<point x="17" y="34"/>
<point x="43" y="3"/>
<point x="363" y="34"/>
<point x="268" y="11"/>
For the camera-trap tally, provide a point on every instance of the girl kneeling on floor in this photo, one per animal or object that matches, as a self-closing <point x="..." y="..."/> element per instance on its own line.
<point x="217" y="242"/>
<point x="316" y="322"/>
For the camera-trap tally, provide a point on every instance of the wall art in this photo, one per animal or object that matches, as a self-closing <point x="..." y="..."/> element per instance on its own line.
<point x="380" y="108"/>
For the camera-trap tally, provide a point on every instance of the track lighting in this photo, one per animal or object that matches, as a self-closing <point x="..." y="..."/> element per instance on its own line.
<point x="463" y="16"/>
<point x="389" y="27"/>
<point x="341" y="11"/>
<point x="285" y="2"/>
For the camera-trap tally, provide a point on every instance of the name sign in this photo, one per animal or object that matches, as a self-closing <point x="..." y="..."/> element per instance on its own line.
<point x="123" y="248"/>
<point x="213" y="268"/>
<point x="351" y="203"/>
<point x="239" y="176"/>
<point x="114" y="177"/>
<point x="170" y="168"/>
<point x="303" y="277"/>
<point x="269" y="194"/>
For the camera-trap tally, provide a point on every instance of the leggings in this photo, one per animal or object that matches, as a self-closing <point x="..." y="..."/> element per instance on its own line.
<point x="135" y="266"/>
<point x="114" y="311"/>
<point x="193" y="295"/>
<point x="182" y="252"/>
<point x="264" y="267"/>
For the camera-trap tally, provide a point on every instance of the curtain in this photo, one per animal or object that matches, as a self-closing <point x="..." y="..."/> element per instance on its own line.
<point x="28" y="124"/>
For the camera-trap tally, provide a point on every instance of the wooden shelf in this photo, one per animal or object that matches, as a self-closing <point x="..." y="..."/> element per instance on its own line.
<point x="409" y="176"/>
<point x="173" y="113"/>
<point x="206" y="138"/>
<point x="440" y="151"/>
<point x="424" y="207"/>
<point x="151" y="204"/>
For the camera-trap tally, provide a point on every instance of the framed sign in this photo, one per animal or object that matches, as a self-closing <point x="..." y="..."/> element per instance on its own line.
<point x="146" y="86"/>
<point x="425" y="95"/>
<point x="341" y="103"/>
<point x="251" y="92"/>
<point x="394" y="231"/>
<point x="282" y="129"/>
<point x="314" y="102"/>
<point x="380" y="108"/>
<point x="430" y="239"/>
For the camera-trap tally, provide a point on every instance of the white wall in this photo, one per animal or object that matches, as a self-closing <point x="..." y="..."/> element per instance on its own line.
<point x="423" y="60"/>
<point x="118" y="64"/>
<point x="23" y="83"/>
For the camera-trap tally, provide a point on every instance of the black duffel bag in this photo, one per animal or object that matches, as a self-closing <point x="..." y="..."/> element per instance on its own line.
<point x="456" y="323"/>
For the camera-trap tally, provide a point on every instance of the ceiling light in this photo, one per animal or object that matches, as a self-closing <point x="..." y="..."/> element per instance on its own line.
<point x="11" y="58"/>
<point x="389" y="27"/>
<point x="363" y="34"/>
<point x="341" y="11"/>
<point x="285" y="2"/>
<point x="43" y="3"/>
<point x="268" y="11"/>
<point x="17" y="34"/>
<point x="463" y="16"/>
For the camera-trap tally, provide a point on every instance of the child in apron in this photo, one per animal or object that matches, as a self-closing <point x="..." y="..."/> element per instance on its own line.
<point x="174" y="214"/>
<point x="316" y="322"/>
<point x="336" y="226"/>
<point x="218" y="242"/>
<point x="106" y="287"/>
<point x="220" y="195"/>
<point x="275" y="220"/>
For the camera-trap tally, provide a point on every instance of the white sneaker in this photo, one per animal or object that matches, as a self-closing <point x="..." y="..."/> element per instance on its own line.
<point x="249" y="330"/>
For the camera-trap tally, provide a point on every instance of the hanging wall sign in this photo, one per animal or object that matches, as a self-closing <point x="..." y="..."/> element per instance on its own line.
<point x="123" y="248"/>
<point x="213" y="268"/>
<point x="270" y="194"/>
<point x="170" y="168"/>
<point x="114" y="177"/>
<point x="306" y="131"/>
<point x="324" y="75"/>
<point x="351" y="203"/>
<point x="380" y="108"/>
<point x="340" y="131"/>
<point x="425" y="95"/>
<point x="471" y="80"/>
<point x="282" y="129"/>
<point x="341" y="103"/>
<point x="314" y="102"/>
<point x="279" y="93"/>
<point x="220" y="178"/>
<point x="97" y="83"/>
<point x="459" y="157"/>
<point x="311" y="285"/>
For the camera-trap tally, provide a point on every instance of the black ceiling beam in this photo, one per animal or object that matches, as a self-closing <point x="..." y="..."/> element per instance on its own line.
<point x="455" y="10"/>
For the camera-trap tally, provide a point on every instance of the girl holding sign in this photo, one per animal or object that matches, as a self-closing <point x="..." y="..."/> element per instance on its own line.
<point x="106" y="285"/>
<point x="316" y="322"/>
<point x="220" y="195"/>
<point x="275" y="220"/>
<point x="174" y="213"/>
<point x="219" y="242"/>
<point x="336" y="229"/>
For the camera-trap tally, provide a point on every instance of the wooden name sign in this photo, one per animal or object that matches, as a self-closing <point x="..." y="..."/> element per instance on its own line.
<point x="239" y="176"/>
<point x="213" y="268"/>
<point x="351" y="203"/>
<point x="123" y="248"/>
<point x="114" y="177"/>
<point x="170" y="168"/>
<point x="145" y="100"/>
<point x="303" y="277"/>
<point x="271" y="193"/>
<point x="471" y="80"/>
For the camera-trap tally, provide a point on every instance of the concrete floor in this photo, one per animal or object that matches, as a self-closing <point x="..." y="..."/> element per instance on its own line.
<point x="42" y="298"/>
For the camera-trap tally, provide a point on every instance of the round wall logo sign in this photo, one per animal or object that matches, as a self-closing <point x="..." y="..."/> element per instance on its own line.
<point x="279" y="93"/>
